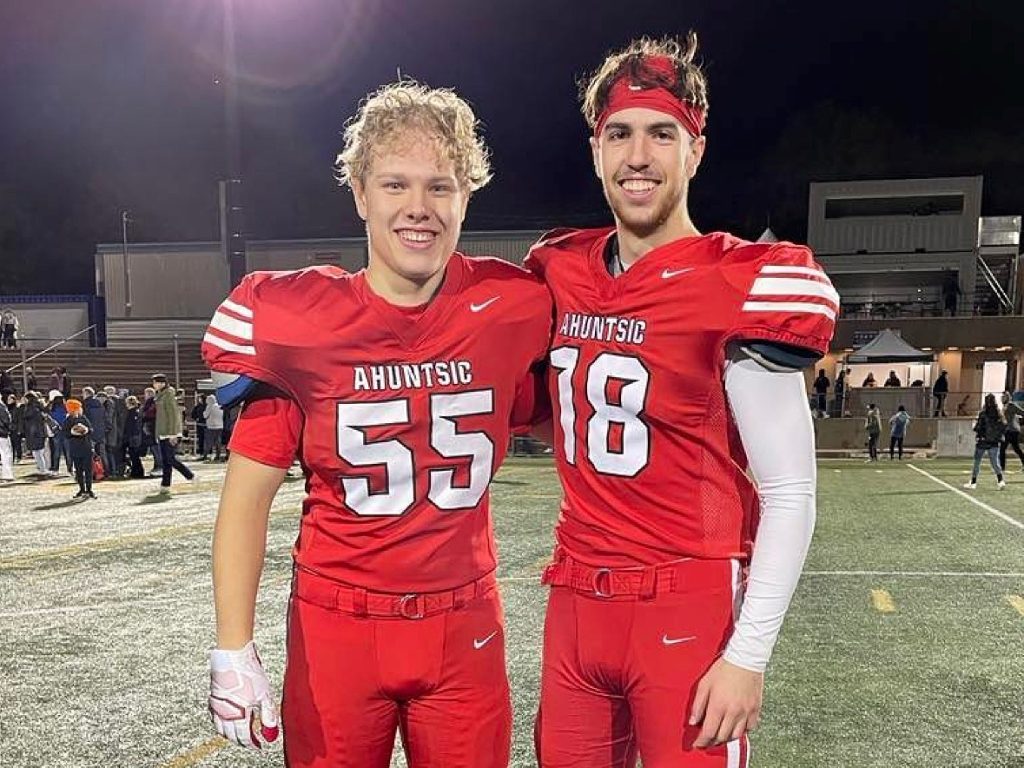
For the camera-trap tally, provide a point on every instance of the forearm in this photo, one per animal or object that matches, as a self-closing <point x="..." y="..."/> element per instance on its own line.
<point x="239" y="547"/>
<point x="781" y="458"/>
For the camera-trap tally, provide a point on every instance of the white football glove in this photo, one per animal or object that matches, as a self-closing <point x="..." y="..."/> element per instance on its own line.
<point x="240" y="697"/>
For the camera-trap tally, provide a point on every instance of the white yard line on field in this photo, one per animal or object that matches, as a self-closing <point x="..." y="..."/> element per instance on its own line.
<point x="991" y="510"/>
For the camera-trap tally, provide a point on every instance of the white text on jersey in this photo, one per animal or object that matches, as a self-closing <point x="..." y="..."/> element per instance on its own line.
<point x="624" y="330"/>
<point x="441" y="373"/>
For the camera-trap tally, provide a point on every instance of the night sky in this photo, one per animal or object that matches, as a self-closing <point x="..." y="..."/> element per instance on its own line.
<point x="111" y="104"/>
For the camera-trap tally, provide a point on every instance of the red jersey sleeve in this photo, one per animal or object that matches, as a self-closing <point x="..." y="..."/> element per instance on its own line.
<point x="268" y="430"/>
<point x="232" y="343"/>
<point x="787" y="298"/>
<point x="532" y="404"/>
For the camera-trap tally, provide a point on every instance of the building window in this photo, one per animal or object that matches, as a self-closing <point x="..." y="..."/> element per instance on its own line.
<point x="917" y="205"/>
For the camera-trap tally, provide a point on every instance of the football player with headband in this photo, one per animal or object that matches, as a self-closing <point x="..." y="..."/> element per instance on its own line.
<point x="684" y="442"/>
<point x="391" y="388"/>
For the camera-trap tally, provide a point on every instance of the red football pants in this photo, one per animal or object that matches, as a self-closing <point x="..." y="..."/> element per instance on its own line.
<point x="352" y="680"/>
<point x="620" y="672"/>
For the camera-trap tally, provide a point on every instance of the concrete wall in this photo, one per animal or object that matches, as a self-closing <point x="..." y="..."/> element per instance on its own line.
<point x="849" y="434"/>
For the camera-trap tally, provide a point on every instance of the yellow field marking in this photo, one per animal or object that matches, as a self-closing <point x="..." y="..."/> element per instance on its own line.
<point x="197" y="753"/>
<point x="1017" y="602"/>
<point x="882" y="601"/>
<point x="100" y="545"/>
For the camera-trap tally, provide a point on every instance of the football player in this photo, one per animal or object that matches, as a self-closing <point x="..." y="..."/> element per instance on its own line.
<point x="396" y="386"/>
<point x="684" y="442"/>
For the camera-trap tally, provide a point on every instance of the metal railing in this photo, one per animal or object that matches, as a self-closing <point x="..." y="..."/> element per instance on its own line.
<point x="919" y="402"/>
<point x="26" y="360"/>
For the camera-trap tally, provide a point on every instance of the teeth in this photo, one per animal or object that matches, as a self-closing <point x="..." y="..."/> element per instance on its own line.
<point x="638" y="185"/>
<point x="416" y="236"/>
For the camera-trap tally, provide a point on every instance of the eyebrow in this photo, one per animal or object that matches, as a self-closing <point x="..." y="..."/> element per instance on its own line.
<point x="661" y="126"/>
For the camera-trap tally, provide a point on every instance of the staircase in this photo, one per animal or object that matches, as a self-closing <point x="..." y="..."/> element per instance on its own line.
<point x="122" y="368"/>
<point x="989" y="300"/>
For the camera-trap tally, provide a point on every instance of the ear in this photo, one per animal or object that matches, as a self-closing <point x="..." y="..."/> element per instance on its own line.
<point x="695" y="155"/>
<point x="595" y="151"/>
<point x="359" y="195"/>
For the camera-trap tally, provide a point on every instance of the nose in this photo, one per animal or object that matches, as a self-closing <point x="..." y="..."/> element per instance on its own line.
<point x="416" y="209"/>
<point x="638" y="156"/>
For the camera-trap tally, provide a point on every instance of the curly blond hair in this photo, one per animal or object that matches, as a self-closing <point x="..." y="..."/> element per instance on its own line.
<point x="689" y="83"/>
<point x="406" y="105"/>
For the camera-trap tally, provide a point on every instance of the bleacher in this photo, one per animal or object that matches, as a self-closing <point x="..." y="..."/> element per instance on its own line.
<point x="121" y="367"/>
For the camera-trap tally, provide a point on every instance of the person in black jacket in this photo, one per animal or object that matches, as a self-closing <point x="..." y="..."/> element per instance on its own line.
<point x="940" y="389"/>
<point x="17" y="425"/>
<point x="79" y="432"/>
<point x="989" y="429"/>
<point x="6" y="452"/>
<point x="133" y="438"/>
<point x="35" y="432"/>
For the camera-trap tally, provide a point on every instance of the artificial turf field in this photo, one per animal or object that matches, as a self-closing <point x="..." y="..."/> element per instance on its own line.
<point x="904" y="646"/>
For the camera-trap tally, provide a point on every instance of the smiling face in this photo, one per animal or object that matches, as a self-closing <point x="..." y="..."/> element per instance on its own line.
<point x="413" y="206"/>
<point x="645" y="160"/>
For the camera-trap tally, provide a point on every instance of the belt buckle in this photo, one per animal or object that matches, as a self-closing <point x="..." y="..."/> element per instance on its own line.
<point x="404" y="609"/>
<point x="607" y="572"/>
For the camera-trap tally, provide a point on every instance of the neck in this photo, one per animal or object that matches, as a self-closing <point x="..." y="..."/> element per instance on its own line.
<point x="633" y="245"/>
<point x="401" y="291"/>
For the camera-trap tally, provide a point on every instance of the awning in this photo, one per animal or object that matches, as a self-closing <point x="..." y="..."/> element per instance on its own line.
<point x="887" y="347"/>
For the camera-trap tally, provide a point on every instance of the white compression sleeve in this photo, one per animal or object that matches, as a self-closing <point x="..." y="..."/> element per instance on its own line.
<point x="772" y="414"/>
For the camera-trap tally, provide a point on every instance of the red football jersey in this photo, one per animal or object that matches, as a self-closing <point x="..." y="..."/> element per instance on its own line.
<point x="405" y="413"/>
<point x="650" y="459"/>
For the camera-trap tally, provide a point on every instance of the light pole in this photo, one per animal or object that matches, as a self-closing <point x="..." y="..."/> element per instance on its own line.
<point x="125" y="218"/>
<point x="233" y="244"/>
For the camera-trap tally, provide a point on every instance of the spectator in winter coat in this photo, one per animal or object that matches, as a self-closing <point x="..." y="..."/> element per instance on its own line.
<point x="873" y="426"/>
<point x="1013" y="412"/>
<point x="58" y="443"/>
<point x="198" y="415"/>
<point x="30" y="379"/>
<point x="940" y="390"/>
<point x="989" y="429"/>
<point x="150" y="443"/>
<point x="118" y="413"/>
<point x="821" y="387"/>
<point x="94" y="410"/>
<point x="17" y="425"/>
<point x="80" y="447"/>
<point x="214" y="427"/>
<point x="898" y="423"/>
<point x="168" y="430"/>
<point x="8" y="329"/>
<point x="893" y="380"/>
<point x="6" y="451"/>
<point x="35" y="432"/>
<point x="133" y="439"/>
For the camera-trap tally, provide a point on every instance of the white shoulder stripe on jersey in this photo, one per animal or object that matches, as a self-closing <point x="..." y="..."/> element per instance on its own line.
<point x="802" y="307"/>
<point x="238" y="309"/>
<point x="228" y="324"/>
<point x="775" y="269"/>
<point x="793" y="286"/>
<point x="217" y="341"/>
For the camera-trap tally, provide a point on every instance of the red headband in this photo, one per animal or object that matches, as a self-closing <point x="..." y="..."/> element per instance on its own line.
<point x="624" y="95"/>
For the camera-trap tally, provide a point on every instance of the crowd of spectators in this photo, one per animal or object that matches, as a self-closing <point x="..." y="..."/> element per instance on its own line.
<point x="105" y="433"/>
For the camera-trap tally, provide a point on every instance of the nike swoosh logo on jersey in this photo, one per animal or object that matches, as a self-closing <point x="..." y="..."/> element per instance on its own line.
<point x="666" y="640"/>
<point x="485" y="305"/>
<point x="673" y="272"/>
<point x="478" y="644"/>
